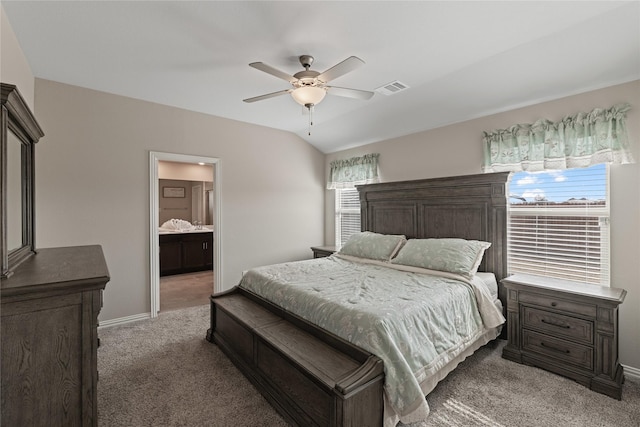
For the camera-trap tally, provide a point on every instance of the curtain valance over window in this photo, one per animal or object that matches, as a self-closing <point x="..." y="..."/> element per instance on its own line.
<point x="354" y="171"/>
<point x="580" y="140"/>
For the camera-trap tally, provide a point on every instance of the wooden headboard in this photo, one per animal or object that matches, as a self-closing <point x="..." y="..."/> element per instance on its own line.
<point x="470" y="207"/>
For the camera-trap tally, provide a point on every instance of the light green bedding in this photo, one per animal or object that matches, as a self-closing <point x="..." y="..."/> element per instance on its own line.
<point x="416" y="323"/>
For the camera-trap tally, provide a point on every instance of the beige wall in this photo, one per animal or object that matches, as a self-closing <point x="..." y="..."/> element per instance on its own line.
<point x="185" y="171"/>
<point x="92" y="185"/>
<point x="457" y="150"/>
<point x="14" y="68"/>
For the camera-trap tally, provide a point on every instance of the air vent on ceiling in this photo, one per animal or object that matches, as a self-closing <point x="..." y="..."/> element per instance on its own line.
<point x="391" y="88"/>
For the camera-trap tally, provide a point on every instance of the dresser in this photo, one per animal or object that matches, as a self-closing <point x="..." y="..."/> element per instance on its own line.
<point x="50" y="307"/>
<point x="567" y="328"/>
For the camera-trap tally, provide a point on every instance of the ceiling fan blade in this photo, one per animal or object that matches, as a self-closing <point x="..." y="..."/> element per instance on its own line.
<point x="268" y="95"/>
<point x="342" y="68"/>
<point x="273" y="71"/>
<point x="349" y="93"/>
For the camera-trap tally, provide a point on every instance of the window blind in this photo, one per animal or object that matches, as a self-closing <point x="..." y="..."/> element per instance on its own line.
<point x="559" y="224"/>
<point x="347" y="214"/>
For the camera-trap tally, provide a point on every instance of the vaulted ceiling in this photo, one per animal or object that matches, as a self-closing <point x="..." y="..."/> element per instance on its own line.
<point x="460" y="60"/>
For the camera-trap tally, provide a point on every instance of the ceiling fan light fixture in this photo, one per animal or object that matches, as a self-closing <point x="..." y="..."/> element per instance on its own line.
<point x="308" y="95"/>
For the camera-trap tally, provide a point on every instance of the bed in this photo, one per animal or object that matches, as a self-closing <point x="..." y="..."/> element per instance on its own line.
<point x="319" y="366"/>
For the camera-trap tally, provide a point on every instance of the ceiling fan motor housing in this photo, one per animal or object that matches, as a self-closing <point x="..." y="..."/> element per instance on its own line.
<point x="306" y="78"/>
<point x="306" y="61"/>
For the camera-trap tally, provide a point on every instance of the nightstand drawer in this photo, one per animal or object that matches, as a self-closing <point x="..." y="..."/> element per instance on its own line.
<point x="558" y="304"/>
<point x="574" y="354"/>
<point x="558" y="325"/>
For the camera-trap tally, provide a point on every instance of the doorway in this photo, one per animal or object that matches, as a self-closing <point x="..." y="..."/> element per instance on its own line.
<point x="154" y="215"/>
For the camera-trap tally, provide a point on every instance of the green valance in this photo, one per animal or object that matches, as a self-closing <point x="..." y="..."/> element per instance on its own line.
<point x="580" y="140"/>
<point x="354" y="171"/>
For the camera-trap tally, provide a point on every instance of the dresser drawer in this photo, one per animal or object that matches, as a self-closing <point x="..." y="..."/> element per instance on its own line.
<point x="558" y="304"/>
<point x="557" y="348"/>
<point x="558" y="325"/>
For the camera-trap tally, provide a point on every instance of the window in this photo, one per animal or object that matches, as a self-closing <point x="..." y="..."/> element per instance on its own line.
<point x="347" y="214"/>
<point x="344" y="175"/>
<point x="559" y="224"/>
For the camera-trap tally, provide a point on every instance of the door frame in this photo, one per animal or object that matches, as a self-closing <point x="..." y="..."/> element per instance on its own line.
<point x="154" y="215"/>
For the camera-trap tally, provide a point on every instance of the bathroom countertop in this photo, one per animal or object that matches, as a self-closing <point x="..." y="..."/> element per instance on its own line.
<point x="204" y="229"/>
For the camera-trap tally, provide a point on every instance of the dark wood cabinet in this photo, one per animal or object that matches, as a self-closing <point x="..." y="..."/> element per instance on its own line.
<point x="185" y="252"/>
<point x="197" y="250"/>
<point x="170" y="254"/>
<point x="50" y="309"/>
<point x="567" y="328"/>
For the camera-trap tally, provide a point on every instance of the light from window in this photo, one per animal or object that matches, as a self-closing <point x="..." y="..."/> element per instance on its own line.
<point x="347" y="214"/>
<point x="559" y="224"/>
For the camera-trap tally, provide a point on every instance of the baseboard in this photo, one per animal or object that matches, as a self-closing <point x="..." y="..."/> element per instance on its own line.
<point x="631" y="372"/>
<point x="123" y="320"/>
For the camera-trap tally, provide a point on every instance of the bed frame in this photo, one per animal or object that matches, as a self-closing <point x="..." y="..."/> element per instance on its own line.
<point x="313" y="377"/>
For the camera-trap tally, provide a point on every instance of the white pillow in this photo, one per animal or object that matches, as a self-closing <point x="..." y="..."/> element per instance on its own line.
<point x="371" y="245"/>
<point x="452" y="255"/>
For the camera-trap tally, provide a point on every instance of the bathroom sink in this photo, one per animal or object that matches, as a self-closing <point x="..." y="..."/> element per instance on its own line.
<point x="202" y="229"/>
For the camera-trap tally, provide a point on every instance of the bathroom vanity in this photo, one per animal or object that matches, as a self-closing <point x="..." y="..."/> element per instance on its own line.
<point x="186" y="251"/>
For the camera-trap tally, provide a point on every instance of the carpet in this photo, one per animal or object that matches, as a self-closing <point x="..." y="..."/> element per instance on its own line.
<point x="163" y="372"/>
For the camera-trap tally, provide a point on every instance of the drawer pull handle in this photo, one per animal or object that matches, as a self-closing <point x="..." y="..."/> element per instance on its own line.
<point x="555" y="324"/>
<point x="559" y="350"/>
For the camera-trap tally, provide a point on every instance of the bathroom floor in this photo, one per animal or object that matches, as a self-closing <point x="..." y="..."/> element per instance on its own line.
<point x="185" y="290"/>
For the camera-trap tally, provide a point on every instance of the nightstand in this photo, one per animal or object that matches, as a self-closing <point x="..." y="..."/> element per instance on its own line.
<point x="567" y="328"/>
<point x="322" y="251"/>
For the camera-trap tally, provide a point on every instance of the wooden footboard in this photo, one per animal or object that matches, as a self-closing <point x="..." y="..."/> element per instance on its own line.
<point x="311" y="377"/>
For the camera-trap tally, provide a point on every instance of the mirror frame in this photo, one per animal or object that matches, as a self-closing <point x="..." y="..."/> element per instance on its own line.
<point x="17" y="117"/>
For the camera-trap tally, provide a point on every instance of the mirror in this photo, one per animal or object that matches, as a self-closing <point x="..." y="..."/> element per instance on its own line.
<point x="14" y="193"/>
<point x="19" y="133"/>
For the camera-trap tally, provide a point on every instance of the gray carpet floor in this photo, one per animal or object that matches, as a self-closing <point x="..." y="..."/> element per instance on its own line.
<point x="163" y="372"/>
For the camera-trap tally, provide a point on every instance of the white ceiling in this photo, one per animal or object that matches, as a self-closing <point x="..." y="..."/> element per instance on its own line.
<point x="461" y="60"/>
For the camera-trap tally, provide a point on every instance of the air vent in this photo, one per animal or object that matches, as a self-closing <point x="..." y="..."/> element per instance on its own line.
<point x="391" y="88"/>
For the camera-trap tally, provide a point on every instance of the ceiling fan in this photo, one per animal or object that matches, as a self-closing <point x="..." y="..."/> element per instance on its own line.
<point x="309" y="87"/>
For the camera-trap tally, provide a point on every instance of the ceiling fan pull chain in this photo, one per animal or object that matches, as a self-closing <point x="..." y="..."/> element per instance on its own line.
<point x="310" y="108"/>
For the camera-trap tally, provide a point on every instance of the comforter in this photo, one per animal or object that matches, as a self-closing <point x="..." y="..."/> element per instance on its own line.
<point x="417" y="321"/>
